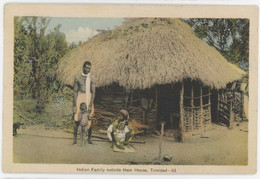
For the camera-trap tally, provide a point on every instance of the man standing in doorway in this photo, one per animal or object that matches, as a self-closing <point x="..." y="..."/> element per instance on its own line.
<point x="84" y="92"/>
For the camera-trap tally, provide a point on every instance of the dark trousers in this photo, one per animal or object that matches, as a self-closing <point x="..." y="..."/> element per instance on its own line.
<point x="75" y="131"/>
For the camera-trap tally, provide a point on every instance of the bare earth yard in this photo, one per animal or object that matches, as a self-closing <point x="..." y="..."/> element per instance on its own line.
<point x="221" y="146"/>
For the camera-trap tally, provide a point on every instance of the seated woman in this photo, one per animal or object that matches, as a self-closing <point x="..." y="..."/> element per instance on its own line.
<point x="120" y="132"/>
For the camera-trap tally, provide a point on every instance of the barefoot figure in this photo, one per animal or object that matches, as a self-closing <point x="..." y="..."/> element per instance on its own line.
<point x="120" y="131"/>
<point x="84" y="123"/>
<point x="84" y="92"/>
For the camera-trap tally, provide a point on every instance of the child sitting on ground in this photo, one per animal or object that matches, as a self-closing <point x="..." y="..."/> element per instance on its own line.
<point x="84" y="123"/>
<point x="120" y="132"/>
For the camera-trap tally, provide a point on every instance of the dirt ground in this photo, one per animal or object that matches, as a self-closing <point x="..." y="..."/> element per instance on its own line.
<point x="219" y="146"/>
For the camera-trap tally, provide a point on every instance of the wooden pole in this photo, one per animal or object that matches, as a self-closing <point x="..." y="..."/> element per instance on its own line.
<point x="231" y="115"/>
<point x="156" y="102"/>
<point x="192" y="108"/>
<point x="160" y="145"/>
<point x="209" y="95"/>
<point x="242" y="105"/>
<point x="209" y="106"/>
<point x="181" y="112"/>
<point x="201" y="109"/>
<point x="218" y="106"/>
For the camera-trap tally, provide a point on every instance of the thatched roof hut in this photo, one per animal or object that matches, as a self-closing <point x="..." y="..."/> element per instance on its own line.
<point x="146" y="52"/>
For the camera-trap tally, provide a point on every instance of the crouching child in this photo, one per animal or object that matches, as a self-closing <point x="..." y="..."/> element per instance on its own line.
<point x="84" y="123"/>
<point x="120" y="131"/>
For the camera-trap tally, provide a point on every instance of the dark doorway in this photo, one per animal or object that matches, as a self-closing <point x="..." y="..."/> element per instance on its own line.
<point x="169" y="105"/>
<point x="214" y="105"/>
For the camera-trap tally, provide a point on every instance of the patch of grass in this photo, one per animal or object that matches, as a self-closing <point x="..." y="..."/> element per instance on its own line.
<point x="57" y="113"/>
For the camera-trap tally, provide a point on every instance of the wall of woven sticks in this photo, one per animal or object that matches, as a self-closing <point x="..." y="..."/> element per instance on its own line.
<point x="195" y="111"/>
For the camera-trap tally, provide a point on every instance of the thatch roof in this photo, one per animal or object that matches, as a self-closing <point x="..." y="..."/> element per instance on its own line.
<point x="149" y="51"/>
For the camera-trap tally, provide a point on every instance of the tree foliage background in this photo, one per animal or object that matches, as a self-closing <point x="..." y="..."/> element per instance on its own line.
<point x="229" y="36"/>
<point x="36" y="54"/>
<point x="38" y="95"/>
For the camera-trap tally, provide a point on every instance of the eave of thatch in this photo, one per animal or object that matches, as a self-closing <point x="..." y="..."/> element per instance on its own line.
<point x="146" y="52"/>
